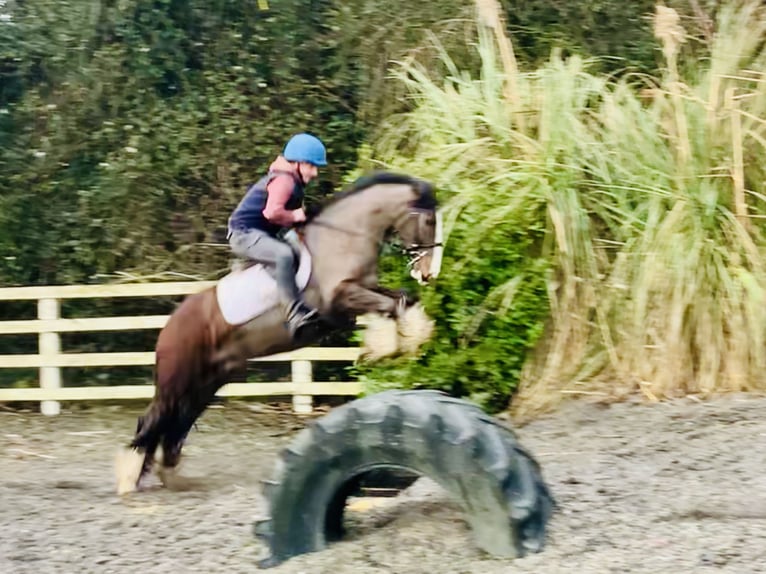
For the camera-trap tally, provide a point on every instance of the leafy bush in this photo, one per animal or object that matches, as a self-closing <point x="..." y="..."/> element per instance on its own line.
<point x="489" y="306"/>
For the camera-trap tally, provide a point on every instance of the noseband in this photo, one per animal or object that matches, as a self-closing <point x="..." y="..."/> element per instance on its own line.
<point x="417" y="251"/>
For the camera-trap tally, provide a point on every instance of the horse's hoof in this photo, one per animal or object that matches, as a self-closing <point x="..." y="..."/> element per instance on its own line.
<point x="414" y="328"/>
<point x="127" y="466"/>
<point x="123" y="489"/>
<point x="167" y="475"/>
<point x="172" y="480"/>
<point x="381" y="338"/>
<point x="269" y="562"/>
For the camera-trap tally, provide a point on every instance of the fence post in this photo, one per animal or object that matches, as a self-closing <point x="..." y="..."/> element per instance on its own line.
<point x="301" y="373"/>
<point x="50" y="344"/>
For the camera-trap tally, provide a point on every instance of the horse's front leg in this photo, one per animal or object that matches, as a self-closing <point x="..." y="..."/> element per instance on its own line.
<point x="388" y="337"/>
<point x="400" y="295"/>
<point x="352" y="298"/>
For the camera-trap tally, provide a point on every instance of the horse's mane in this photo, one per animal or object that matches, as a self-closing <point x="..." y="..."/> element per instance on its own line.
<point x="426" y="198"/>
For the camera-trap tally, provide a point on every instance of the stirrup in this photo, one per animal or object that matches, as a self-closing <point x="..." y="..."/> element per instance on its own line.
<point x="299" y="316"/>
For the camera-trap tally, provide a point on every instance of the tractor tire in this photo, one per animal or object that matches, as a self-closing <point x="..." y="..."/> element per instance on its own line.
<point x="470" y="454"/>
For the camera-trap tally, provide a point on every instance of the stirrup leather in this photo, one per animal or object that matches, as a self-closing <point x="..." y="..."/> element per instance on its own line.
<point x="300" y="315"/>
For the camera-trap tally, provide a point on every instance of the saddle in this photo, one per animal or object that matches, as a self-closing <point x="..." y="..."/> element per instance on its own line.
<point x="250" y="290"/>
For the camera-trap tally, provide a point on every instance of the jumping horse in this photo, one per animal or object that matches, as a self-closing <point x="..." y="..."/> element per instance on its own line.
<point x="211" y="334"/>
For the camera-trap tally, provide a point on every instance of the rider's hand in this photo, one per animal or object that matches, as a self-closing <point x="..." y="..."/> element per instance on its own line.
<point x="299" y="216"/>
<point x="312" y="210"/>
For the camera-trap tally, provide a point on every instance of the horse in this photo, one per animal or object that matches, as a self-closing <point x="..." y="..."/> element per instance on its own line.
<point x="212" y="333"/>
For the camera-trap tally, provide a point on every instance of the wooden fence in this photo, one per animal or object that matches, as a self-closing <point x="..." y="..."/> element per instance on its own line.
<point x="50" y="359"/>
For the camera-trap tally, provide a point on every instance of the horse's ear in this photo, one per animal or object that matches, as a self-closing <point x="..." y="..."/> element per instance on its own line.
<point x="426" y="197"/>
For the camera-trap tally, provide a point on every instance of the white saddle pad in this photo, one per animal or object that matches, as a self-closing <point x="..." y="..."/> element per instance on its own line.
<point x="244" y="295"/>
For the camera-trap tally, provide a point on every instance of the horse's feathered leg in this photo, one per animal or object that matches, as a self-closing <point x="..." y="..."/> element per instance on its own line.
<point x="173" y="440"/>
<point x="152" y="424"/>
<point x="400" y="295"/>
<point x="148" y="431"/>
<point x="133" y="463"/>
<point x="177" y="427"/>
<point x="352" y="298"/>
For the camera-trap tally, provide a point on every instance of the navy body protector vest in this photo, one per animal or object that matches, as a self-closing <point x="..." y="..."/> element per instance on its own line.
<point x="249" y="213"/>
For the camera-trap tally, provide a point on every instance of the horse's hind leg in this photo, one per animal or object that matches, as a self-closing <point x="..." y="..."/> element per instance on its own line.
<point x="147" y="439"/>
<point x="134" y="463"/>
<point x="172" y="443"/>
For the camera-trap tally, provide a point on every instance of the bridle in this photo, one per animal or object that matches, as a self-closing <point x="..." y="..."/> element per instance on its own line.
<point x="416" y="251"/>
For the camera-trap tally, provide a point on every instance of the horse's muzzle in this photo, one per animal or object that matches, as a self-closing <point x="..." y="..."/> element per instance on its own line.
<point x="426" y="260"/>
<point x="422" y="263"/>
<point x="426" y="264"/>
<point x="418" y="276"/>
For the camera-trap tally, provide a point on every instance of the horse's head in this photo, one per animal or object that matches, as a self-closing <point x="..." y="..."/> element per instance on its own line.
<point x="383" y="203"/>
<point x="419" y="228"/>
<point x="420" y="231"/>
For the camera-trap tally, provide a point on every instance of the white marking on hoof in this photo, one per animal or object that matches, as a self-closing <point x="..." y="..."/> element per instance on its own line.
<point x="127" y="466"/>
<point x="414" y="328"/>
<point x="380" y="338"/>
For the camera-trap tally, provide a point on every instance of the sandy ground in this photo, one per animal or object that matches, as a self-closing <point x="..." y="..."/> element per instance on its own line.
<point x="674" y="487"/>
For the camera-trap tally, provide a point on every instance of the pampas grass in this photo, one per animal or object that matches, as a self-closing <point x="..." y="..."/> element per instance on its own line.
<point x="651" y="191"/>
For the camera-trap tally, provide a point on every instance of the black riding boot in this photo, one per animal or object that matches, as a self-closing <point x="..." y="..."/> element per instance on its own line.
<point x="297" y="314"/>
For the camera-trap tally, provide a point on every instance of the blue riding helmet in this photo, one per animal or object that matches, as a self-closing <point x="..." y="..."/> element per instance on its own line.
<point x="305" y="147"/>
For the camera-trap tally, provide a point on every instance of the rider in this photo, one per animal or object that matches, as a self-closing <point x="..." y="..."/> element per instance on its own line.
<point x="270" y="207"/>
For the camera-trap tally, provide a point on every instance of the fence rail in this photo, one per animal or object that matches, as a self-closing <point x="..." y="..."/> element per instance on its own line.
<point x="50" y="359"/>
